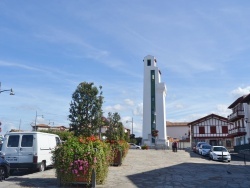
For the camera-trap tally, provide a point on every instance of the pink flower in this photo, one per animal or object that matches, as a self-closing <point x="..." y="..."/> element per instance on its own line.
<point x="74" y="171"/>
<point x="80" y="168"/>
<point x="95" y="160"/>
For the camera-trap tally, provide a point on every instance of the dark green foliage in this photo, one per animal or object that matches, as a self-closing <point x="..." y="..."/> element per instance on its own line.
<point x="86" y="110"/>
<point x="115" y="128"/>
<point x="64" y="135"/>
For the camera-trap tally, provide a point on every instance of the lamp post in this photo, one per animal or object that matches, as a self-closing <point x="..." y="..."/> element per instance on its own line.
<point x="132" y="123"/>
<point x="11" y="91"/>
<point x="36" y="119"/>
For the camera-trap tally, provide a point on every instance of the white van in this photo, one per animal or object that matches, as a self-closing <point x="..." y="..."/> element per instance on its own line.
<point x="29" y="150"/>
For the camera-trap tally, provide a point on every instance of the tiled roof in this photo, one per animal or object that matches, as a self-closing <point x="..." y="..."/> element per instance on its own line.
<point x="246" y="99"/>
<point x="42" y="125"/>
<point x="237" y="101"/>
<point x="208" y="117"/>
<point x="176" y="124"/>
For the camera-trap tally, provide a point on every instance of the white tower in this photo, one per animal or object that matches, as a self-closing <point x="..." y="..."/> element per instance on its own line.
<point x="154" y="94"/>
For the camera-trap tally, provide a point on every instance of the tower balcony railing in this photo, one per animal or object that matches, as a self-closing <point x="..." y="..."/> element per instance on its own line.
<point x="236" y="115"/>
<point x="237" y="131"/>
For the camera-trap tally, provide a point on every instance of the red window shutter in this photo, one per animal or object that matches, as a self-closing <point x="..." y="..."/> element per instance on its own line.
<point x="213" y="129"/>
<point x="201" y="130"/>
<point x="224" y="129"/>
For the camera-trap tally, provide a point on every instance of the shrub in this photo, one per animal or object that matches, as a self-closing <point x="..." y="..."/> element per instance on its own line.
<point x="145" y="147"/>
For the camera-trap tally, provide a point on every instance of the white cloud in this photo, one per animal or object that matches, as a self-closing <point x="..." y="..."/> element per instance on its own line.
<point x="222" y="110"/>
<point x="129" y="102"/>
<point x="179" y="106"/>
<point x="114" y="108"/>
<point x="10" y="64"/>
<point x="138" y="111"/>
<point x="240" y="91"/>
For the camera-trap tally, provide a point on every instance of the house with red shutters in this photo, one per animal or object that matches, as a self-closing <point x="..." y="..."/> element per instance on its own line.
<point x="212" y="129"/>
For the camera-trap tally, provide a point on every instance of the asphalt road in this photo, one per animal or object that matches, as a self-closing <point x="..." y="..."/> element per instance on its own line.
<point x="154" y="169"/>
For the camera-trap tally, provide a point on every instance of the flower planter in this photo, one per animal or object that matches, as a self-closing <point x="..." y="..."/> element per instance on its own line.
<point x="84" y="179"/>
<point x="117" y="161"/>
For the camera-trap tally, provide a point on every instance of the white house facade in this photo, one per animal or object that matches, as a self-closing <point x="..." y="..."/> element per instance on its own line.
<point x="239" y="131"/>
<point x="154" y="94"/>
<point x="177" y="130"/>
<point x="212" y="129"/>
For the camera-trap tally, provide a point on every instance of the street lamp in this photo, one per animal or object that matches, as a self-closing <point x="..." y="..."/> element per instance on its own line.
<point x="11" y="91"/>
<point x="132" y="124"/>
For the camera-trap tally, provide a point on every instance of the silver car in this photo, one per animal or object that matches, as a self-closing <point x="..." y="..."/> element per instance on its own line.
<point x="134" y="146"/>
<point x="204" y="149"/>
<point x="198" y="146"/>
<point x="219" y="153"/>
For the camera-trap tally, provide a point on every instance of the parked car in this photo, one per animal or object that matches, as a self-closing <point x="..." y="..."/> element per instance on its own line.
<point x="198" y="146"/>
<point x="4" y="169"/>
<point x="219" y="153"/>
<point x="134" y="146"/>
<point x="204" y="149"/>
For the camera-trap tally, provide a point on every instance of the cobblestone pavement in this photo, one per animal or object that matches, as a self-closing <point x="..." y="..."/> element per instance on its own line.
<point x="156" y="169"/>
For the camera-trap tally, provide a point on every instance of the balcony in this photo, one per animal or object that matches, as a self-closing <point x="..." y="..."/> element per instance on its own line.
<point x="236" y="132"/>
<point x="236" y="115"/>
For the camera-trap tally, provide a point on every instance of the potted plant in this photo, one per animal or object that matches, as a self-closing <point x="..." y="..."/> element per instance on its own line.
<point x="79" y="157"/>
<point x="145" y="147"/>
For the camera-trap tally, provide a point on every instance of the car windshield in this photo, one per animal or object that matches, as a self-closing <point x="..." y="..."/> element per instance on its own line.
<point x="220" y="149"/>
<point x="201" y="143"/>
<point x="206" y="147"/>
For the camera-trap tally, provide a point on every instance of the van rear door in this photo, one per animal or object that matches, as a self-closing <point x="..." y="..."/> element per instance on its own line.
<point x="26" y="148"/>
<point x="12" y="149"/>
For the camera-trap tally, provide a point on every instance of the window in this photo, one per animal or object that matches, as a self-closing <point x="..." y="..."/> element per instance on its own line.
<point x="224" y="129"/>
<point x="13" y="141"/>
<point x="27" y="141"/>
<point x="213" y="129"/>
<point x="228" y="143"/>
<point x="201" y="130"/>
<point x="149" y="62"/>
<point x="58" y="142"/>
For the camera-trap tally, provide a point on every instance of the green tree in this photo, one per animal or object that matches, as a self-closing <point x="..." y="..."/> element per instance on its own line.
<point x="86" y="109"/>
<point x="121" y="133"/>
<point x="114" y="127"/>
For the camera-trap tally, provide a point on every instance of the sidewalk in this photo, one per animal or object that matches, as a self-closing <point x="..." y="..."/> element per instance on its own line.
<point x="155" y="169"/>
<point x="164" y="168"/>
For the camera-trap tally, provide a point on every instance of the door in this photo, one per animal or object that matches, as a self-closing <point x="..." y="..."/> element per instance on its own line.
<point x="12" y="148"/>
<point x="213" y="142"/>
<point x="26" y="149"/>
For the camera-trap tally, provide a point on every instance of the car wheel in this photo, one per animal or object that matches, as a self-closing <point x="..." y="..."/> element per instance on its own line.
<point x="2" y="173"/>
<point x="42" y="167"/>
<point x="228" y="161"/>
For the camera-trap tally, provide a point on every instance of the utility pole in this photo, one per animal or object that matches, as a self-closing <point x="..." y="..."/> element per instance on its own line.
<point x="132" y="124"/>
<point x="36" y="120"/>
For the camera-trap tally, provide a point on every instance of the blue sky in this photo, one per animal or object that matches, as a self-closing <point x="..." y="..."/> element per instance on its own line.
<point x="48" y="47"/>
